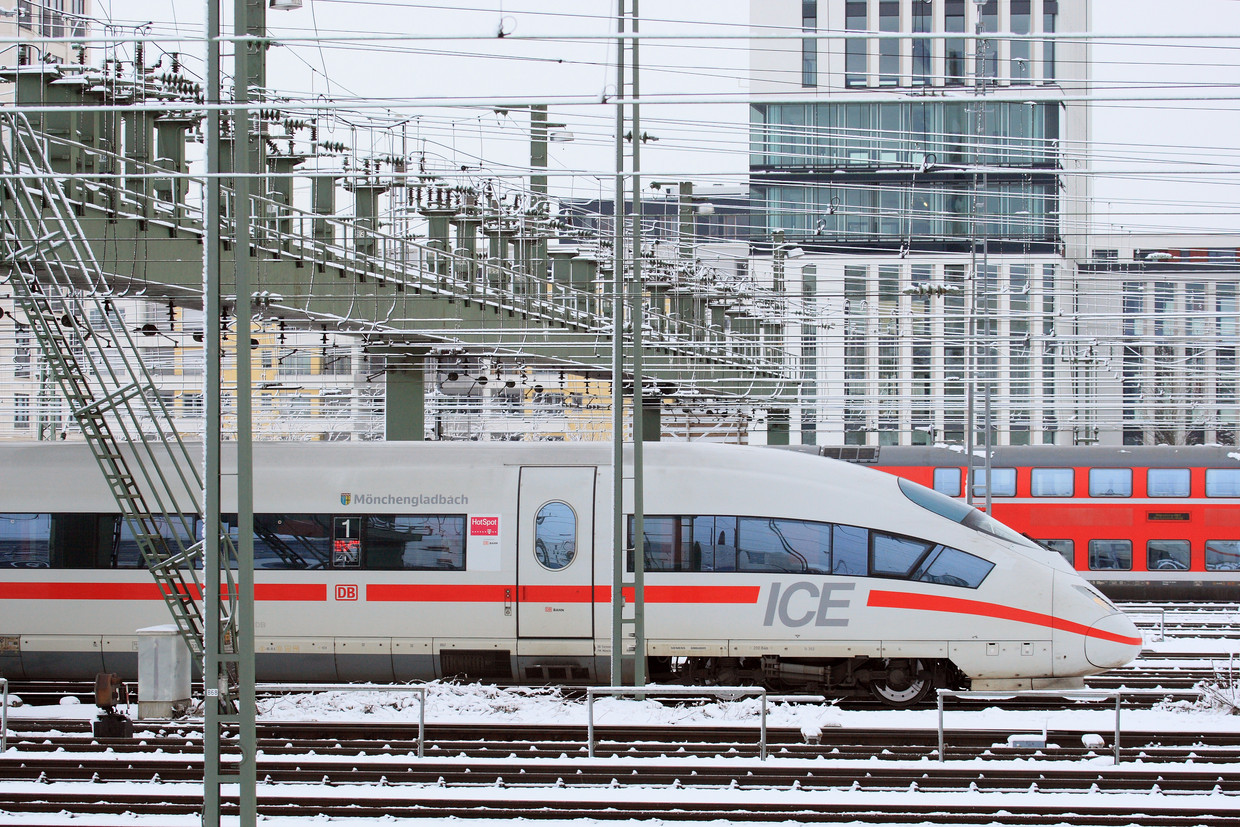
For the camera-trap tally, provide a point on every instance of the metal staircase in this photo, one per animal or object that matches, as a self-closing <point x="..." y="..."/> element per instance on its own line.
<point x="59" y="286"/>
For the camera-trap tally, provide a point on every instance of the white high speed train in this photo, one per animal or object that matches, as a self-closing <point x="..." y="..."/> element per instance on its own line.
<point x="407" y="561"/>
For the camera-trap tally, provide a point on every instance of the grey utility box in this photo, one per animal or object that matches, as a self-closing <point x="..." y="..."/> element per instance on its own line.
<point x="164" y="669"/>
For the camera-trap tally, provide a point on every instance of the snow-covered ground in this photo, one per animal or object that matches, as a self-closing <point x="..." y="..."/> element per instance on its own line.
<point x="478" y="703"/>
<point x="471" y="703"/>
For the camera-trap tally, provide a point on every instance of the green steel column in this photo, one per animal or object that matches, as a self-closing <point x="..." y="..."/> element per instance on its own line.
<point x="652" y="420"/>
<point x="617" y="374"/>
<point x="366" y="191"/>
<point x="777" y="426"/>
<point x="809" y="355"/>
<point x="139" y="152"/>
<point x="280" y="189"/>
<point x="684" y="220"/>
<point x="249" y="165"/>
<point x="405" y="406"/>
<point x="539" y="208"/>
<point x="638" y="321"/>
<point x="213" y="668"/>
<point x="323" y="196"/>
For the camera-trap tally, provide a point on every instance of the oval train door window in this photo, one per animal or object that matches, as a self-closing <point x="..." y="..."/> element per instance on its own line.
<point x="555" y="535"/>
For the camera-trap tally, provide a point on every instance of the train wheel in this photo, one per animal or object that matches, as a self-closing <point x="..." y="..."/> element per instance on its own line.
<point x="908" y="683"/>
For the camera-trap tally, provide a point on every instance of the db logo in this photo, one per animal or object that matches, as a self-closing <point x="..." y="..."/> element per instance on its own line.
<point x="346" y="592"/>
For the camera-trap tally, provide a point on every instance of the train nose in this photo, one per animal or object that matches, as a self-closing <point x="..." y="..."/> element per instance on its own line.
<point x="1112" y="642"/>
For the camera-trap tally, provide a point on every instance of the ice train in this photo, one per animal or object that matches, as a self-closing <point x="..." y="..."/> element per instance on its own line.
<point x="402" y="561"/>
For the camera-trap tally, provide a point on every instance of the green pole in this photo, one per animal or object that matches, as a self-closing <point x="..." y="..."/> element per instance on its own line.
<point x="248" y="160"/>
<point x="213" y="666"/>
<point x="638" y="317"/>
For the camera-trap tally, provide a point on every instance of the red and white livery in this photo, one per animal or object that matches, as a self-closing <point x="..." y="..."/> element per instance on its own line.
<point x="403" y="561"/>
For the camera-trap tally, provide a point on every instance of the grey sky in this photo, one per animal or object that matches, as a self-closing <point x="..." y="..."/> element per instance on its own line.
<point x="1165" y="164"/>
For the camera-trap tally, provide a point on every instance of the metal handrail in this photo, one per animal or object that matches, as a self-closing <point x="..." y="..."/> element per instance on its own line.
<point x="1088" y="694"/>
<point x="420" y="691"/>
<point x="4" y="714"/>
<point x="691" y="691"/>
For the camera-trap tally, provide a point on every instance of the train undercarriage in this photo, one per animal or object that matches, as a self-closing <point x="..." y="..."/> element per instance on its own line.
<point x="896" y="682"/>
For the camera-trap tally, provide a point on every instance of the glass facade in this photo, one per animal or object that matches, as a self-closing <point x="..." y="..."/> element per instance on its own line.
<point x="932" y="142"/>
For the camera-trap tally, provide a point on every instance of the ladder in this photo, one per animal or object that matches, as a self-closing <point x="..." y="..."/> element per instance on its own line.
<point x="59" y="286"/>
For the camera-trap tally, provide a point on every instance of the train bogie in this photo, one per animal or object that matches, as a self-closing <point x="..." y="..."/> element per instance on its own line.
<point x="403" y="562"/>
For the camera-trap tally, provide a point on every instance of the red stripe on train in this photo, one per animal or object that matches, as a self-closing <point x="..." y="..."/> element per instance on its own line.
<point x="404" y="592"/>
<point x="397" y="593"/>
<point x="960" y="605"/>
<point x="147" y="591"/>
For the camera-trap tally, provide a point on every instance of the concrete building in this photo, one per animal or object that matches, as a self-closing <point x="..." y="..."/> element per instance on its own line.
<point x="919" y="154"/>
<point x="32" y="21"/>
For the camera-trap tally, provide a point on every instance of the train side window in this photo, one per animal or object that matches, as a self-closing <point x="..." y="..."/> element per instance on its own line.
<point x="292" y="541"/>
<point x="947" y="481"/>
<point x="948" y="566"/>
<point x="128" y="554"/>
<point x="1223" y="482"/>
<point x="1051" y="482"/>
<point x="415" y="542"/>
<point x="765" y="544"/>
<point x="662" y="544"/>
<point x="715" y="538"/>
<point x="555" y="535"/>
<point x="1167" y="482"/>
<point x="1222" y="555"/>
<point x="1002" y="482"/>
<point x="1110" y="482"/>
<point x="893" y="556"/>
<point x="1064" y="548"/>
<point x="82" y="541"/>
<point x="850" y="550"/>
<point x="25" y="540"/>
<point x="1167" y="555"/>
<point x="1110" y="555"/>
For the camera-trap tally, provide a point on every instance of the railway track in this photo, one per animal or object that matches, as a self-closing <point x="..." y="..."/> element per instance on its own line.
<point x="667" y="773"/>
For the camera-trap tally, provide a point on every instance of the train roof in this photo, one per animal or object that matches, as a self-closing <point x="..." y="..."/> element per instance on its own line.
<point x="1145" y="456"/>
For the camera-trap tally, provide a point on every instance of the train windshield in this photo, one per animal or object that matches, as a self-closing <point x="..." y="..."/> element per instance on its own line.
<point x="962" y="513"/>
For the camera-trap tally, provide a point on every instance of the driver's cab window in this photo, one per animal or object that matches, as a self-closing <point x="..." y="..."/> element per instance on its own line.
<point x="555" y="535"/>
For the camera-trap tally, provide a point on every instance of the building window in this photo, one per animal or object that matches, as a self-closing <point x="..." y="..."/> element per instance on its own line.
<point x="1049" y="8"/>
<point x="1021" y="50"/>
<point x="21" y="411"/>
<point x="809" y="45"/>
<point x="22" y="355"/>
<point x="855" y="49"/>
<point x="953" y="23"/>
<point x="923" y="19"/>
<point x="988" y="63"/>
<point x="889" y="49"/>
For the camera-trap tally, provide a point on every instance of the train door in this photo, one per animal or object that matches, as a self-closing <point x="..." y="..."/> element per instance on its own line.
<point x="555" y="553"/>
